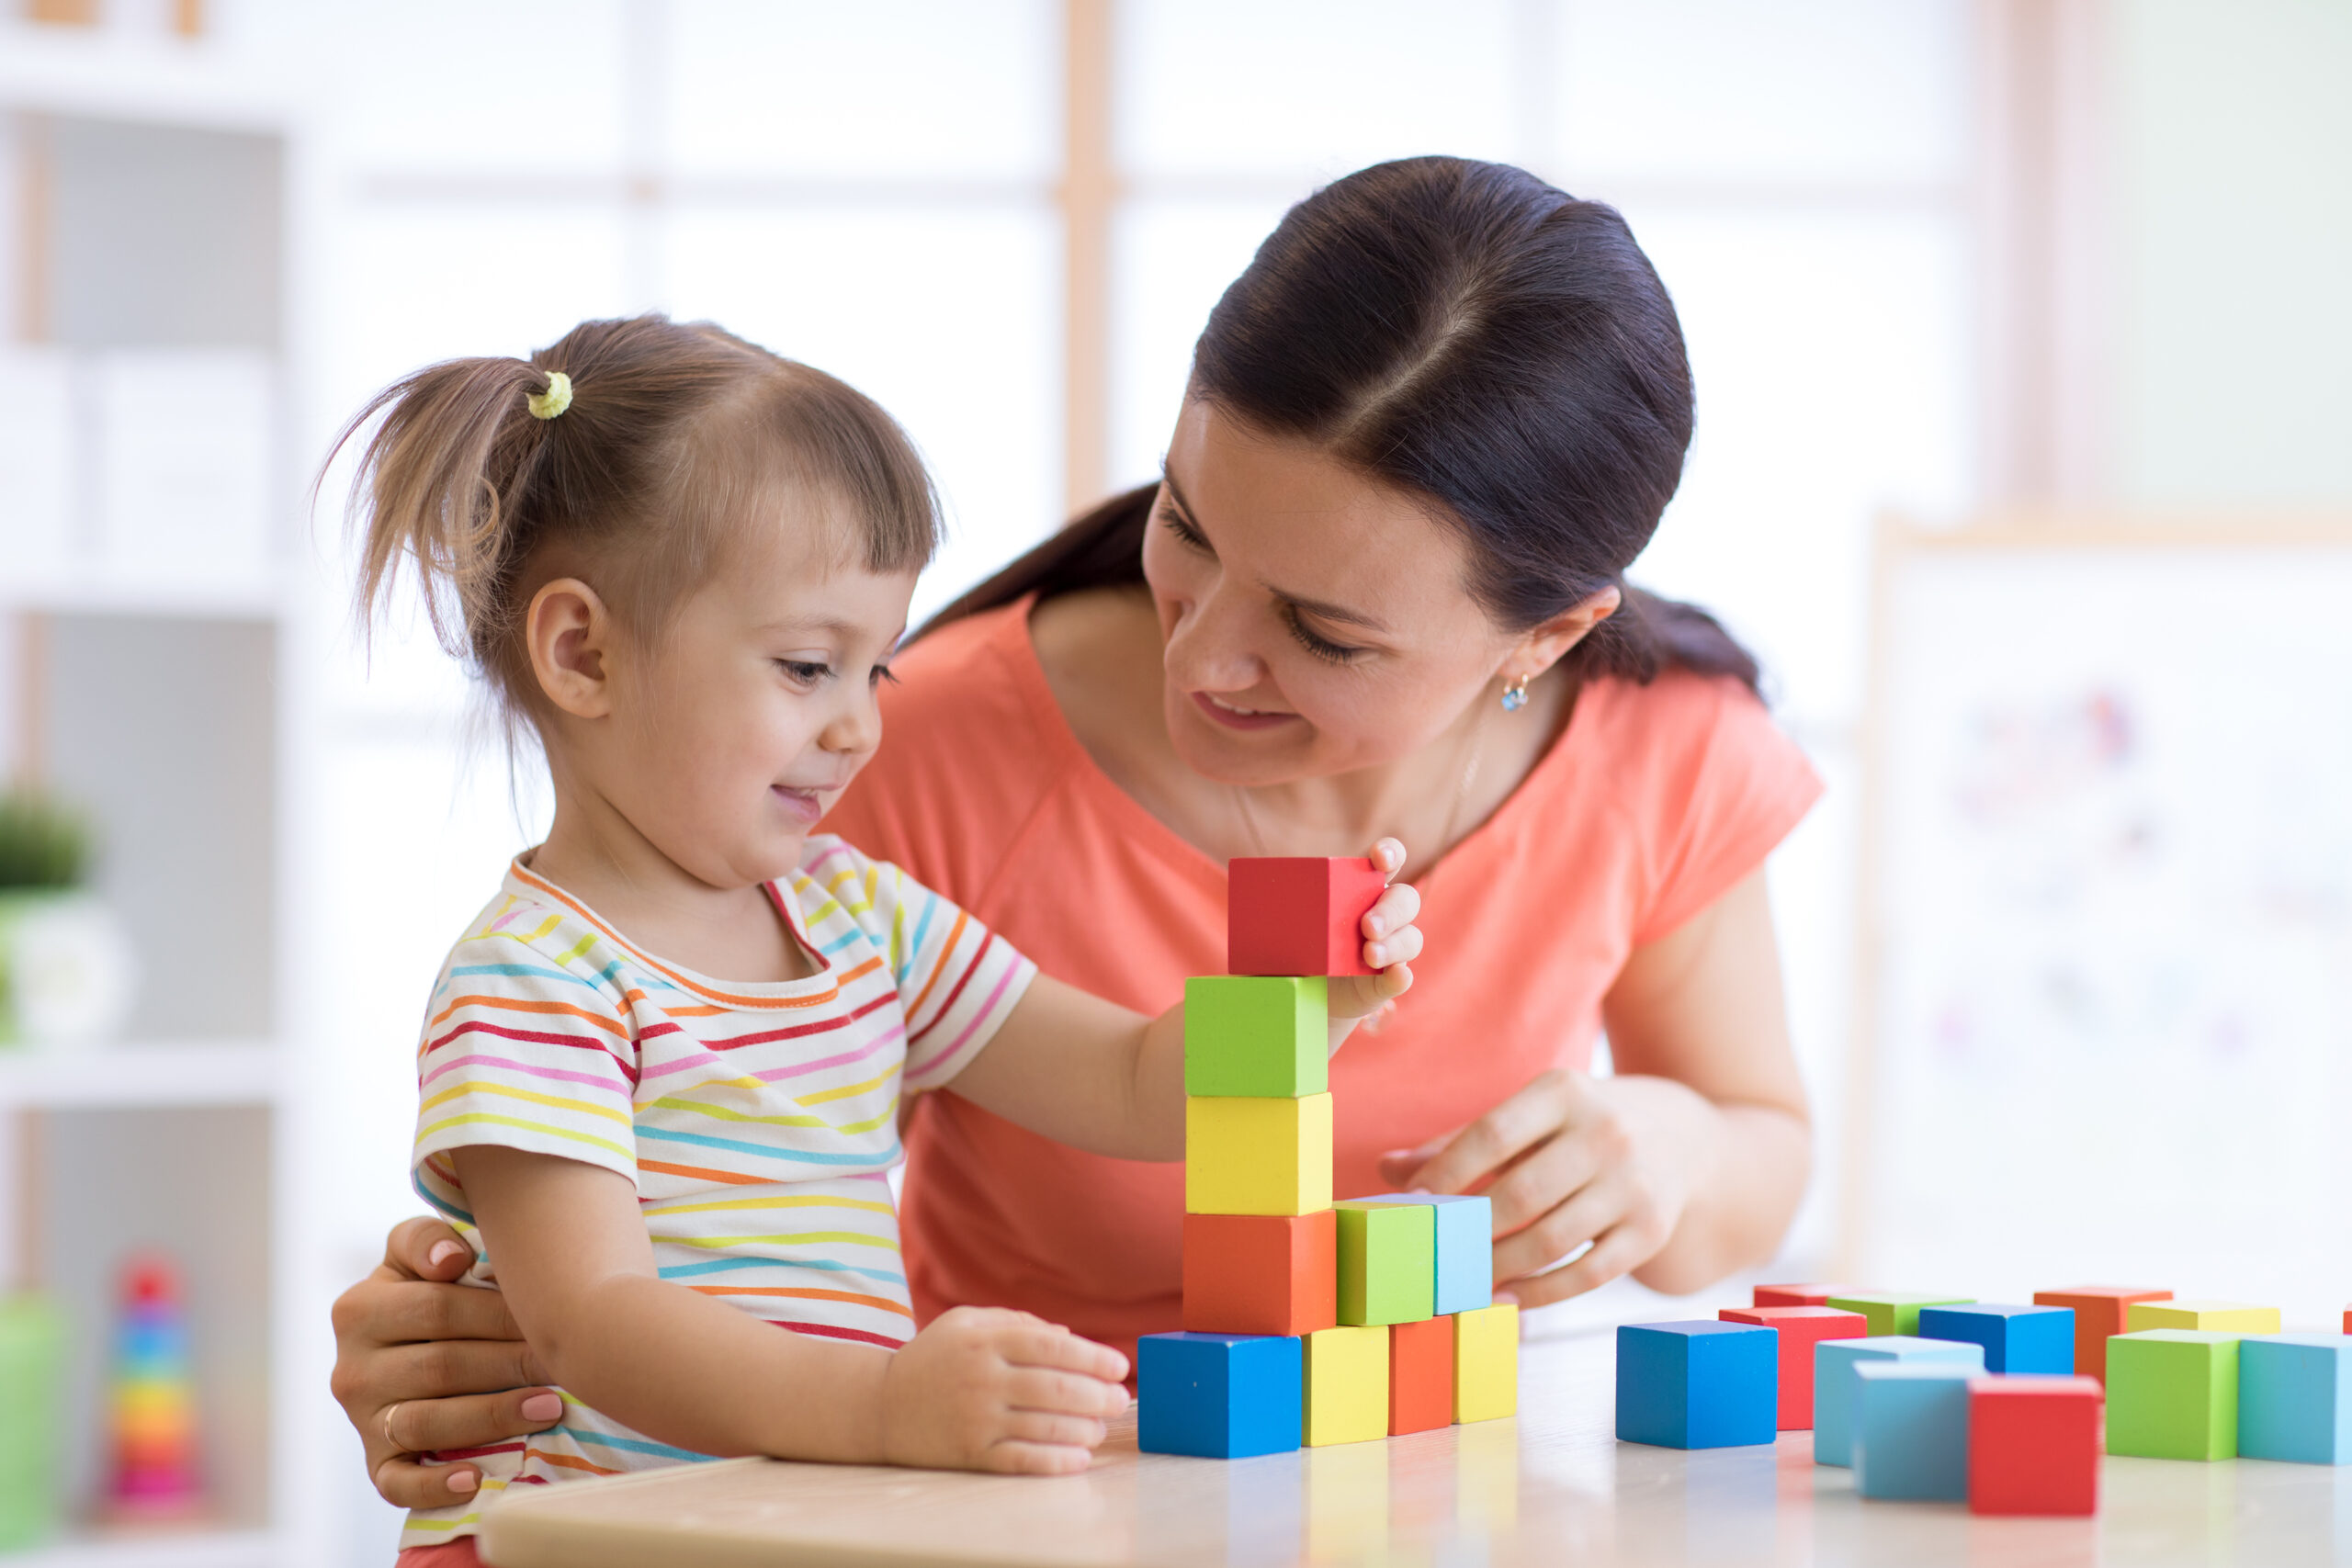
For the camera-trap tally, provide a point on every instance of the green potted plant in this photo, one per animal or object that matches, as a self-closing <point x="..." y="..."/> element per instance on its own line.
<point x="66" y="970"/>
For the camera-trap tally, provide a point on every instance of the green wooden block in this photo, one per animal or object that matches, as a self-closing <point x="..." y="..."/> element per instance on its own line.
<point x="1256" y="1037"/>
<point x="1894" y="1312"/>
<point x="32" y="1350"/>
<point x="2173" y="1393"/>
<point x="1387" y="1261"/>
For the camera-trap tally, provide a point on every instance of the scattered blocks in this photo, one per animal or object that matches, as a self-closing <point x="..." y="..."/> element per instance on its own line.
<point x="1347" y="1385"/>
<point x="1259" y="1035"/>
<point x="1485" y="1362"/>
<point x="2098" y="1317"/>
<point x="1795" y="1295"/>
<point x="2173" y="1393"/>
<point x="1261" y="1273"/>
<point x="1291" y="915"/>
<point x="2213" y="1317"/>
<point x="2295" y="1398"/>
<point x="1911" y="1430"/>
<point x="1421" y="1375"/>
<point x="1219" y="1395"/>
<point x="1696" y="1385"/>
<point x="1799" y="1329"/>
<point x="1834" y="1361"/>
<point x="1465" y="1247"/>
<point x="1891" y="1313"/>
<point x="1387" y="1261"/>
<point x="1246" y="1156"/>
<point x="2033" y="1444"/>
<point x="2016" y="1338"/>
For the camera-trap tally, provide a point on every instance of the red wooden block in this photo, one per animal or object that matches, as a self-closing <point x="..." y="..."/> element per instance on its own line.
<point x="1801" y="1329"/>
<point x="1261" y="1273"/>
<point x="1296" y="915"/>
<point x="2347" y="1320"/>
<point x="1421" y="1375"/>
<point x="1796" y="1295"/>
<point x="2098" y="1315"/>
<point x="2033" y="1444"/>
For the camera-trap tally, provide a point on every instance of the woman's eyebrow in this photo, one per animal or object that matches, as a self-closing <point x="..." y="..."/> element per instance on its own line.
<point x="1315" y="607"/>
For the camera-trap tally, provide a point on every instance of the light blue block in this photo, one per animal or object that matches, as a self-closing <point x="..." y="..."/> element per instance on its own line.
<point x="2295" y="1397"/>
<point x="2017" y="1339"/>
<point x="1466" y="1248"/>
<point x="1834" y="1361"/>
<point x="1705" y="1384"/>
<point x="1911" y="1429"/>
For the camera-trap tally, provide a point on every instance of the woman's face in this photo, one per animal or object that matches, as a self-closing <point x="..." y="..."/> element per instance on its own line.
<point x="1315" y="621"/>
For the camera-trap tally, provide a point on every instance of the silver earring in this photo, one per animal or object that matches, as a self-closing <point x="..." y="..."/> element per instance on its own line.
<point x="1515" y="695"/>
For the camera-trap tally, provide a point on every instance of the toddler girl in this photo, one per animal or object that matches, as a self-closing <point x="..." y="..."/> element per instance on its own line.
<point x="660" y="1071"/>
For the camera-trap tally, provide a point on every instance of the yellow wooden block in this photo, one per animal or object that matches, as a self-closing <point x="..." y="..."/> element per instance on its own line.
<point x="1256" y="1157"/>
<point x="2213" y="1317"/>
<point x="1347" y="1385"/>
<point x="1485" y="1362"/>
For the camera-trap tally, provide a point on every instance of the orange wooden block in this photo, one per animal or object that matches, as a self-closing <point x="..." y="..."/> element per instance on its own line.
<point x="1421" y="1375"/>
<point x="1795" y="1295"/>
<point x="2098" y="1315"/>
<point x="1261" y="1273"/>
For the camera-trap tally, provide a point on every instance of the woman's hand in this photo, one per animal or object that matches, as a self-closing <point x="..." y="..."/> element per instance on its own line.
<point x="423" y="1365"/>
<point x="1391" y="943"/>
<point x="983" y="1388"/>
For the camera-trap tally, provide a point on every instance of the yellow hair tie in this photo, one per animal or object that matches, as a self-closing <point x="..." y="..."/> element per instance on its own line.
<point x="555" y="400"/>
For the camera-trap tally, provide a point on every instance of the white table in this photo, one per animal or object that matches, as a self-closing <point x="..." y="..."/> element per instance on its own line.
<point x="1554" y="1486"/>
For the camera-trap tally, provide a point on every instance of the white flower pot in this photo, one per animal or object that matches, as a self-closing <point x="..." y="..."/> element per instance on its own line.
<point x="67" y="971"/>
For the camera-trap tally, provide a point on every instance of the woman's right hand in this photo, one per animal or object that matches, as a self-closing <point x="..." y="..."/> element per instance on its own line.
<point x="422" y="1364"/>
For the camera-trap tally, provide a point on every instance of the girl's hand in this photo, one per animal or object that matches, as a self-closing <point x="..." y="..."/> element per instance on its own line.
<point x="1391" y="941"/>
<point x="983" y="1388"/>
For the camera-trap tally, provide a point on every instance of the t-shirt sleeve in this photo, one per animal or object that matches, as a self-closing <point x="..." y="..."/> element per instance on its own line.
<point x="520" y="1053"/>
<point x="1732" y="790"/>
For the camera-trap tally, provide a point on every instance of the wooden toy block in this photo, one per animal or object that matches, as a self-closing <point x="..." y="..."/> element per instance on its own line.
<point x="1834" y="1361"/>
<point x="1247" y="1155"/>
<point x="2173" y="1393"/>
<point x="1420" y="1376"/>
<point x="2038" y="1339"/>
<point x="1219" y="1395"/>
<point x="1387" y="1261"/>
<point x="1696" y="1385"/>
<point x="1347" y="1385"/>
<point x="2213" y="1317"/>
<point x="1485" y="1362"/>
<point x="2295" y="1398"/>
<point x="1260" y="1035"/>
<point x="2347" y="1320"/>
<point x="1295" y="914"/>
<point x="1911" y="1430"/>
<point x="1799" y="1329"/>
<point x="1465" y="1247"/>
<point x="2033" y="1444"/>
<point x="2098" y="1317"/>
<point x="1795" y="1295"/>
<point x="1261" y="1273"/>
<point x="1891" y="1313"/>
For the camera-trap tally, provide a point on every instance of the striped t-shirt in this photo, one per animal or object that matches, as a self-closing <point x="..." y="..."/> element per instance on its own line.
<point x="757" y="1121"/>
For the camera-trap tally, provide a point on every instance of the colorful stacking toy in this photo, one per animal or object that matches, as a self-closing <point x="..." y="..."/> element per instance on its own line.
<point x="1307" y="1322"/>
<point x="151" y="1402"/>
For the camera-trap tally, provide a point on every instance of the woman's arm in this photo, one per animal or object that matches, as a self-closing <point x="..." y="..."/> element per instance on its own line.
<point x="1092" y="1075"/>
<point x="978" y="1389"/>
<point x="1686" y="1165"/>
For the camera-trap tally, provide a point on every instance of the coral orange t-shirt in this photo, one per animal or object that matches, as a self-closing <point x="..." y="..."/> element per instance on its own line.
<point x="1653" y="803"/>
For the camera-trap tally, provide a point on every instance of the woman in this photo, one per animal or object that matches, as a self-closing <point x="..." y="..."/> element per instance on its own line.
<point x="1379" y="591"/>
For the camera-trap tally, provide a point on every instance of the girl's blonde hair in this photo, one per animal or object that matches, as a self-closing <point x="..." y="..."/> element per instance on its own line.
<point x="676" y="438"/>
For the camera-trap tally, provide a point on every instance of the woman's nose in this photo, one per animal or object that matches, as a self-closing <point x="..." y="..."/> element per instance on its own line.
<point x="1210" y="648"/>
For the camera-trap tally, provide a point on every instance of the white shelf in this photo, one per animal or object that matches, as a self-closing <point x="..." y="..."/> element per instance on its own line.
<point x="100" y="591"/>
<point x="191" y="1549"/>
<point x="144" y="1075"/>
<point x="105" y="74"/>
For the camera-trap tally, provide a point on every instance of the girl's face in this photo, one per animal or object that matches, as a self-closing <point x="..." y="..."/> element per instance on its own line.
<point x="1315" y="621"/>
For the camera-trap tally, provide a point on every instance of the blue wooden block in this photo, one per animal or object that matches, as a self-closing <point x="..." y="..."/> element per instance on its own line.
<point x="1219" y="1395"/>
<point x="1834" y="1361"/>
<point x="1466" y="1248"/>
<point x="2016" y="1338"/>
<point x="1911" y="1429"/>
<point x="1698" y="1385"/>
<point x="2295" y="1397"/>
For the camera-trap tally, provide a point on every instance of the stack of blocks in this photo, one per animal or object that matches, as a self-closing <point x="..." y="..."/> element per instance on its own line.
<point x="1308" y="1321"/>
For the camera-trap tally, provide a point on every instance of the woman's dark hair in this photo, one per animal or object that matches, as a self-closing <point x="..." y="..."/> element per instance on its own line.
<point x="1470" y="334"/>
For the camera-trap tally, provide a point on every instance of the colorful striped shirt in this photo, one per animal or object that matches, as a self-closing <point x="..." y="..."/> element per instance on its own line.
<point x="758" y="1121"/>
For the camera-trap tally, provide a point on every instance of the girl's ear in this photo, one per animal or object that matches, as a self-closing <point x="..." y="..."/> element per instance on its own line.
<point x="569" y="632"/>
<point x="1546" y="645"/>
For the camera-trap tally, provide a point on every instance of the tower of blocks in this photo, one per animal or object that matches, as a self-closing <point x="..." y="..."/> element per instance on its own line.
<point x="1307" y="1322"/>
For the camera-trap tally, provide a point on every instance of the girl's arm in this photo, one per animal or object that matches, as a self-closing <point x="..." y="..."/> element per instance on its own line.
<point x="1092" y="1075"/>
<point x="979" y="1389"/>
